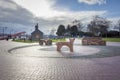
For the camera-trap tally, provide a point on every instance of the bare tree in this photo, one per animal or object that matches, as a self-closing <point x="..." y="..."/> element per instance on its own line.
<point x="98" y="26"/>
<point x="78" y="24"/>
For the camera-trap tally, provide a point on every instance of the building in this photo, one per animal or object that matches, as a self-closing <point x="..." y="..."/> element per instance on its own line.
<point x="37" y="34"/>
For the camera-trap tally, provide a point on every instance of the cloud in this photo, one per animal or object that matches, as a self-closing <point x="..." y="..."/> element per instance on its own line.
<point x="13" y="13"/>
<point x="92" y="2"/>
<point x="14" y="16"/>
<point x="40" y="8"/>
<point x="19" y="18"/>
<point x="47" y="24"/>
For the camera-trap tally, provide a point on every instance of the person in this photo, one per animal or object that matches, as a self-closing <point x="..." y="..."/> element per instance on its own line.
<point x="8" y="37"/>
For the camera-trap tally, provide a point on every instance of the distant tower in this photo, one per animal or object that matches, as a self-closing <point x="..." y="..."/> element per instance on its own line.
<point x="52" y="31"/>
<point x="36" y="26"/>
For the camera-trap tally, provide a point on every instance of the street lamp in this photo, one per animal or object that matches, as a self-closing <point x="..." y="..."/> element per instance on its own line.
<point x="3" y="29"/>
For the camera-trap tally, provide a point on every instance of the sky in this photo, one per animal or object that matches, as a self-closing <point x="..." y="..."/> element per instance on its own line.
<point x="22" y="15"/>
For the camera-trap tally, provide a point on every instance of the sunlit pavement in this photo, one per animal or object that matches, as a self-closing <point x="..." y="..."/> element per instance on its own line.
<point x="23" y="61"/>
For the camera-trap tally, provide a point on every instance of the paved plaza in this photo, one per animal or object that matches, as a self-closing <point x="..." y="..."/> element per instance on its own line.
<point x="29" y="61"/>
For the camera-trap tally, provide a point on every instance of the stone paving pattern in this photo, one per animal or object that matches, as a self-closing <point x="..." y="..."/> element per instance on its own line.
<point x="35" y="68"/>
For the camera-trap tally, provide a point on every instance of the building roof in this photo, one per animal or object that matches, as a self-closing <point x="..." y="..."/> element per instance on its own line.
<point x="37" y="30"/>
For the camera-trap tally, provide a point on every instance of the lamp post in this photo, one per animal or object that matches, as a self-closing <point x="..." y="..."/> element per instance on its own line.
<point x="3" y="29"/>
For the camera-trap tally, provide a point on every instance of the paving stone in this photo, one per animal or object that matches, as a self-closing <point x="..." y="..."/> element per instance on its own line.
<point x="37" y="68"/>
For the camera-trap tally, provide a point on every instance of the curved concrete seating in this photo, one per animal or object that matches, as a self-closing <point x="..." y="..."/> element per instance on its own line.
<point x="68" y="44"/>
<point x="93" y="41"/>
<point x="47" y="42"/>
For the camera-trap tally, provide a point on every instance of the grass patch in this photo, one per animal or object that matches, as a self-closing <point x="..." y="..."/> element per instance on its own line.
<point x="53" y="40"/>
<point x="112" y="39"/>
<point x="26" y="41"/>
<point x="58" y="40"/>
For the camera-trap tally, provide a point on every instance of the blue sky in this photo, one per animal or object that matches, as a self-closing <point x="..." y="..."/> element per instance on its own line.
<point x="111" y="6"/>
<point x="22" y="15"/>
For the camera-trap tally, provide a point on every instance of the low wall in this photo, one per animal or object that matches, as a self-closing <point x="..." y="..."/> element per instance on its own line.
<point x="93" y="41"/>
